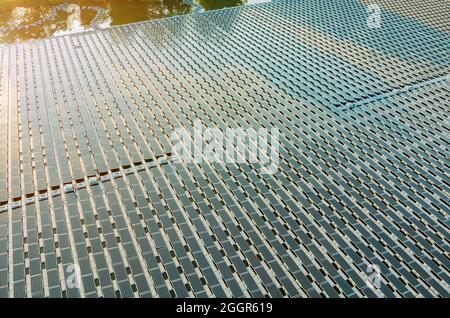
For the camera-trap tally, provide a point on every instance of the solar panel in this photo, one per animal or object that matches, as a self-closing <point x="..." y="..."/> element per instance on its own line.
<point x="91" y="174"/>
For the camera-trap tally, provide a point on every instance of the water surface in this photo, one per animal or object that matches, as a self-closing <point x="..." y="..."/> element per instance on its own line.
<point x="22" y="20"/>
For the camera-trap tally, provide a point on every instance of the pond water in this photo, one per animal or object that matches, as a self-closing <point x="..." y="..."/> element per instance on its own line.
<point x="22" y="20"/>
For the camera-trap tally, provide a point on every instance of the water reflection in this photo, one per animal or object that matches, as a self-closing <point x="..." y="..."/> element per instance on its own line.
<point x="22" y="20"/>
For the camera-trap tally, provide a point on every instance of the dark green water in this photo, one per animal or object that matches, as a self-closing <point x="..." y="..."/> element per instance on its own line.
<point x="22" y="20"/>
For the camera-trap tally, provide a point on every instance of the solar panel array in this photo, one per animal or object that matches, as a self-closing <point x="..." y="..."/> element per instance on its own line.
<point x="88" y="175"/>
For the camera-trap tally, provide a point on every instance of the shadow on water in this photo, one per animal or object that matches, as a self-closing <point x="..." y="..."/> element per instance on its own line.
<point x="22" y="20"/>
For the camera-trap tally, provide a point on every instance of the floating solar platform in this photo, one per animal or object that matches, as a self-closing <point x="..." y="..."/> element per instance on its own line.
<point x="88" y="177"/>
